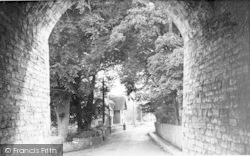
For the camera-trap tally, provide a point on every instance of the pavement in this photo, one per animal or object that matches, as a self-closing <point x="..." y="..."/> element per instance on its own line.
<point x="134" y="141"/>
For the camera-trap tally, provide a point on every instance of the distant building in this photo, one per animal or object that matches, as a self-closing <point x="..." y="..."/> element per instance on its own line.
<point x="109" y="112"/>
<point x="133" y="112"/>
<point x="120" y="106"/>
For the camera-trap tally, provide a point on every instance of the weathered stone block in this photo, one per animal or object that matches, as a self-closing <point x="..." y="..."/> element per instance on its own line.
<point x="233" y="122"/>
<point x="227" y="137"/>
<point x="218" y="135"/>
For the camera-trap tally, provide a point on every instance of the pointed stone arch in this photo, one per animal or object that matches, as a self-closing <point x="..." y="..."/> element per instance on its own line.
<point x="216" y="72"/>
<point x="24" y="67"/>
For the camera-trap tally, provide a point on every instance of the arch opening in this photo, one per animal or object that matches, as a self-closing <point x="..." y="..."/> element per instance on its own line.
<point x="216" y="72"/>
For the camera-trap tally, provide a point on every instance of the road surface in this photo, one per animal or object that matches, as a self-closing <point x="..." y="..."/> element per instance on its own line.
<point x="132" y="142"/>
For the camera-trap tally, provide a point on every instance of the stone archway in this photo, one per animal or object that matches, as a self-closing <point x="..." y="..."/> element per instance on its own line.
<point x="216" y="72"/>
<point x="24" y="66"/>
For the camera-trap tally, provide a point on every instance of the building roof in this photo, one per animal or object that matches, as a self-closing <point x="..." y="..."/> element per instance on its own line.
<point x="110" y="103"/>
<point x="120" y="102"/>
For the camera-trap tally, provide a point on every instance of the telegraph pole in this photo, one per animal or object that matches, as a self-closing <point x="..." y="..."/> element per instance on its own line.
<point x="103" y="102"/>
<point x="133" y="112"/>
<point x="109" y="119"/>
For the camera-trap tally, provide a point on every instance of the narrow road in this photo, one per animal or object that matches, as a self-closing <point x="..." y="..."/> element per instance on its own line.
<point x="132" y="142"/>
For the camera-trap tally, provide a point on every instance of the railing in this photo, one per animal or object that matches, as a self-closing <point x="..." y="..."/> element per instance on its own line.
<point x="171" y="133"/>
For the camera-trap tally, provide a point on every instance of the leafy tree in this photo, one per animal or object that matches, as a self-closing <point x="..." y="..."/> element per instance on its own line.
<point x="65" y="69"/>
<point x="78" y="52"/>
<point x="154" y="57"/>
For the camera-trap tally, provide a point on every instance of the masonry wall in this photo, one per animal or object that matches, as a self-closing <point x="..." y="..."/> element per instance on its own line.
<point x="216" y="105"/>
<point x="24" y="70"/>
<point x="171" y="133"/>
<point x="117" y="116"/>
<point x="216" y="110"/>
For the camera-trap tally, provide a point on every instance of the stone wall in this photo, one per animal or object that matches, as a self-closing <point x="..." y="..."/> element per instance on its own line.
<point x="216" y="72"/>
<point x="216" y="106"/>
<point x="171" y="133"/>
<point x="24" y="70"/>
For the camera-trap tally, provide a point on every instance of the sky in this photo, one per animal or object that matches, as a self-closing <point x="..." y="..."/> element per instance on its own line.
<point x="118" y="88"/>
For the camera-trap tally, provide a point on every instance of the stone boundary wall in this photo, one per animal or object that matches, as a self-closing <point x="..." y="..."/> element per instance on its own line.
<point x="170" y="133"/>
